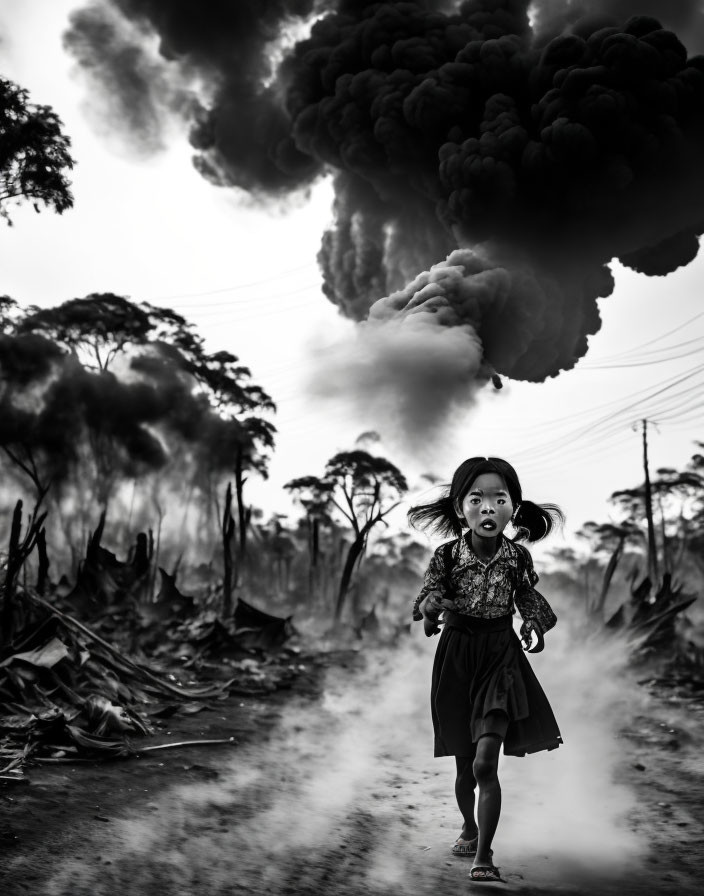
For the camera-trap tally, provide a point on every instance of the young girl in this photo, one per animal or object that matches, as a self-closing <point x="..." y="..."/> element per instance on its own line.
<point x="484" y="692"/>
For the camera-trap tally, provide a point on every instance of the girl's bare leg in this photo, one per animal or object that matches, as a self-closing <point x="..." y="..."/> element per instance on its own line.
<point x="465" y="785"/>
<point x="485" y="769"/>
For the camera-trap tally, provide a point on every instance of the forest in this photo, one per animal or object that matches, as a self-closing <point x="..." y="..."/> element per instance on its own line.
<point x="129" y="537"/>
<point x="126" y="449"/>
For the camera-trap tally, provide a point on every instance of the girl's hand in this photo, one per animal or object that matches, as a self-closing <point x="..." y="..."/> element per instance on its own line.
<point x="430" y="626"/>
<point x="527" y="629"/>
<point x="431" y="608"/>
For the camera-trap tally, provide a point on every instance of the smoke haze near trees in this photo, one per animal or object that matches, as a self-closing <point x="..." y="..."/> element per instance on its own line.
<point x="102" y="393"/>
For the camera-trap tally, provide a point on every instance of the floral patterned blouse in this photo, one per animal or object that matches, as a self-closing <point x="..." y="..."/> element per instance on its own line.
<point x="487" y="590"/>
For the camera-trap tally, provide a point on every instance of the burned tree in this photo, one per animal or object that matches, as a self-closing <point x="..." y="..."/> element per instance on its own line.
<point x="360" y="486"/>
<point x="228" y="532"/>
<point x="673" y="497"/>
<point x="315" y="496"/>
<point x="607" y="539"/>
<point x="660" y="516"/>
<point x="240" y="404"/>
<point x="20" y="547"/>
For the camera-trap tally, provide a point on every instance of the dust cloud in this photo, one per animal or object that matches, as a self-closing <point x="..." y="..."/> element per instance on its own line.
<point x="346" y="798"/>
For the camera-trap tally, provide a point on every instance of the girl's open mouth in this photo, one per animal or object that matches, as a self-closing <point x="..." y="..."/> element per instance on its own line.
<point x="488" y="524"/>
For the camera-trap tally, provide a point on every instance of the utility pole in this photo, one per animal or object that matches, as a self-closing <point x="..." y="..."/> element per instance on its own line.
<point x="653" y="571"/>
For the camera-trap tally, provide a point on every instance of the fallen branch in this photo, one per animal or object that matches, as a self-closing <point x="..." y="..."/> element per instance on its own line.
<point x="131" y="752"/>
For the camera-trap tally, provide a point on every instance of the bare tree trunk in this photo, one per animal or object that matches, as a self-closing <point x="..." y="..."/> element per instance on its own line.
<point x="43" y="563"/>
<point x="12" y="569"/>
<point x="243" y="514"/>
<point x="157" y="548"/>
<point x="667" y="568"/>
<point x="598" y="606"/>
<point x="353" y="555"/>
<point x="228" y="532"/>
<point x="19" y="550"/>
<point x="653" y="570"/>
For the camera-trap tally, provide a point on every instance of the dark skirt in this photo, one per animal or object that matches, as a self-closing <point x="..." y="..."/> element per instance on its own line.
<point x="483" y="684"/>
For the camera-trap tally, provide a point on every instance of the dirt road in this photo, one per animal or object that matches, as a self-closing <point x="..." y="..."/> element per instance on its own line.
<point x="338" y="793"/>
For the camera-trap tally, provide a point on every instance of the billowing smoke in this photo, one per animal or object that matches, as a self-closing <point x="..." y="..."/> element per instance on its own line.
<point x="226" y="50"/>
<point x="453" y="327"/>
<point x="530" y="323"/>
<point x="684" y="17"/>
<point x="372" y="249"/>
<point x="542" y="140"/>
<point x="133" y="81"/>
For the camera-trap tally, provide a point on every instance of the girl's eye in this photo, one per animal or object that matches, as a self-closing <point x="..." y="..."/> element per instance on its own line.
<point x="501" y="501"/>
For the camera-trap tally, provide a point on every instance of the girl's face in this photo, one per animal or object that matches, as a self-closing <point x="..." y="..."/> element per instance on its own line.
<point x="487" y="507"/>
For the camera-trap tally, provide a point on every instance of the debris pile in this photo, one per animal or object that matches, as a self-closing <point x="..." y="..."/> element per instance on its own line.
<point x="69" y="689"/>
<point x="650" y="619"/>
<point x="66" y="692"/>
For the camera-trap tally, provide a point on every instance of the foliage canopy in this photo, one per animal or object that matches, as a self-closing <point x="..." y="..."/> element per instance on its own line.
<point x="34" y="153"/>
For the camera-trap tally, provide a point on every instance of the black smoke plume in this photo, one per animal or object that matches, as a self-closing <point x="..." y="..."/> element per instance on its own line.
<point x="684" y="17"/>
<point x="219" y="49"/>
<point x="540" y="140"/>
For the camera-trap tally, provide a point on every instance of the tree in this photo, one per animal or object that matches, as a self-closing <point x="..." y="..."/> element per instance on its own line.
<point x="611" y="539"/>
<point x="100" y="326"/>
<point x="101" y="391"/>
<point x="315" y="496"/>
<point x="57" y="418"/>
<point x="227" y="384"/>
<point x="28" y="365"/>
<point x="674" y="492"/>
<point x="10" y="313"/>
<point x="694" y="538"/>
<point x="96" y="327"/>
<point x="34" y="153"/>
<point x="360" y="486"/>
<point x="164" y="348"/>
<point x="674" y="499"/>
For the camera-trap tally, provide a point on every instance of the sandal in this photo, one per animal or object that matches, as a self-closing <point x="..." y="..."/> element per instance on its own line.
<point x="465" y="847"/>
<point x="485" y="874"/>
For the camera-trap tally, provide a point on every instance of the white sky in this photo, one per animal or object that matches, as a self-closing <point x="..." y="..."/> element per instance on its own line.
<point x="155" y="230"/>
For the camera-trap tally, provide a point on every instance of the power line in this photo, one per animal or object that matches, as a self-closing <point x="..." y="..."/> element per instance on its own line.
<point x="236" y="317"/>
<point x="590" y="430"/>
<point x="646" y="362"/>
<point x="253" y="300"/>
<point x="673" y="330"/>
<point x="235" y="287"/>
<point x="657" y="338"/>
<point x="581" y="454"/>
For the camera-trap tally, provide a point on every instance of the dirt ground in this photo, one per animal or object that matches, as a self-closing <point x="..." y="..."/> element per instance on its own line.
<point x="329" y="789"/>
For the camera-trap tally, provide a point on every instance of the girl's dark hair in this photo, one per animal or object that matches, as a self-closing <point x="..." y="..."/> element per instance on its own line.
<point x="532" y="521"/>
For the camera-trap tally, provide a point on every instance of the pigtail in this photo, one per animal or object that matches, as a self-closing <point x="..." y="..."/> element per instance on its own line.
<point x="439" y="516"/>
<point x="536" y="521"/>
